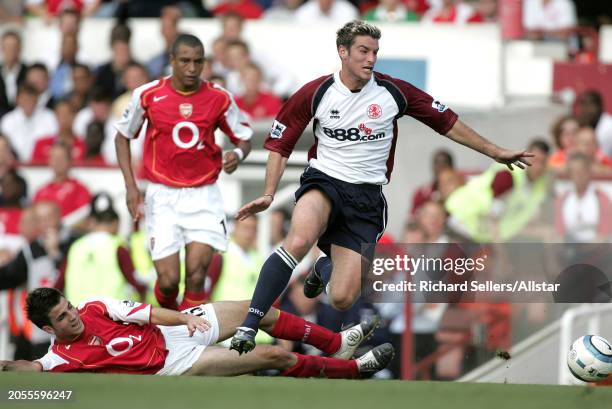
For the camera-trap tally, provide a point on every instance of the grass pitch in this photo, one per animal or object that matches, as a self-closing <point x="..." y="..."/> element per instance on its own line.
<point x="94" y="391"/>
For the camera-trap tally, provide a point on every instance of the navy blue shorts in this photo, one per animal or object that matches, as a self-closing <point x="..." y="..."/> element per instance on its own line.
<point x="359" y="211"/>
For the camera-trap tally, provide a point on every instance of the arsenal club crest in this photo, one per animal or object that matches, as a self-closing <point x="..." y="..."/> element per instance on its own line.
<point x="186" y="110"/>
<point x="374" y="111"/>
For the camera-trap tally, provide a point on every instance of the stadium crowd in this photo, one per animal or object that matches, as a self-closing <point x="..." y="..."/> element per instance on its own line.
<point x="60" y="113"/>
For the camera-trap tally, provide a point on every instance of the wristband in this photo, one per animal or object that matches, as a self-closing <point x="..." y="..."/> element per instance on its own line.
<point x="239" y="153"/>
<point x="268" y="194"/>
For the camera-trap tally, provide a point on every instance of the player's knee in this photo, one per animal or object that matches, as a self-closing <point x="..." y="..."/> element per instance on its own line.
<point x="167" y="282"/>
<point x="297" y="245"/>
<point x="343" y="300"/>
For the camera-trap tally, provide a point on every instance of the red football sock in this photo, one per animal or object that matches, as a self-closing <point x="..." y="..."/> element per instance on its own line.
<point x="294" y="328"/>
<point x="192" y="299"/>
<point x="166" y="301"/>
<point x="311" y="366"/>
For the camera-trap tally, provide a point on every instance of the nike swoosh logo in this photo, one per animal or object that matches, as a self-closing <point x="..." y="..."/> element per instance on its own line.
<point x="157" y="99"/>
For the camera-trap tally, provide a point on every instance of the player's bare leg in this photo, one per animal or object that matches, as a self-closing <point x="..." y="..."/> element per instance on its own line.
<point x="167" y="284"/>
<point x="309" y="221"/>
<point x="345" y="281"/>
<point x="197" y="259"/>
<point x="219" y="361"/>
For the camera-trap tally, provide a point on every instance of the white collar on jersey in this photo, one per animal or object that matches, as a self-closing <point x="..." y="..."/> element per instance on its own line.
<point x="344" y="89"/>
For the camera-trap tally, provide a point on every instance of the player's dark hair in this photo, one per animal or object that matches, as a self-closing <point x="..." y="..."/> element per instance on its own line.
<point x="39" y="303"/>
<point x="539" y="144"/>
<point x="186" y="39"/>
<point x="346" y="35"/>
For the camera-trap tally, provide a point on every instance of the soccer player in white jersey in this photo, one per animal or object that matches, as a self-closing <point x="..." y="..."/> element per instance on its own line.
<point x="111" y="336"/>
<point x="340" y="202"/>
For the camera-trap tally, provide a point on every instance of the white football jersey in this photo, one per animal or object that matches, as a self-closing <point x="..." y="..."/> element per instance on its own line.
<point x="355" y="132"/>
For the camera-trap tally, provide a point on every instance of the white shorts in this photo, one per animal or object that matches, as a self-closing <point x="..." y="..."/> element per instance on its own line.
<point x="184" y="350"/>
<point x="178" y="216"/>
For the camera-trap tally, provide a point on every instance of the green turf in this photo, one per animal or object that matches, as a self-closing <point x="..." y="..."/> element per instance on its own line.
<point x="152" y="392"/>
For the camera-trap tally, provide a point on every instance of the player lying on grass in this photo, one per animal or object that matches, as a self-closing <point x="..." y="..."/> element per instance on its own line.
<point x="112" y="336"/>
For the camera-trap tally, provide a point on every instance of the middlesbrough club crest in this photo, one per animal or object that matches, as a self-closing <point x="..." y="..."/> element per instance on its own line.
<point x="186" y="110"/>
<point x="374" y="111"/>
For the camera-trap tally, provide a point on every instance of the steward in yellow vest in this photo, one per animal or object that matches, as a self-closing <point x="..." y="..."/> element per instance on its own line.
<point x="99" y="265"/>
<point x="498" y="204"/>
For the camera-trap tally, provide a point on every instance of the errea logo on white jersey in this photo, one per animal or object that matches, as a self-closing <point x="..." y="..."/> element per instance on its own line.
<point x="437" y="105"/>
<point x="277" y="130"/>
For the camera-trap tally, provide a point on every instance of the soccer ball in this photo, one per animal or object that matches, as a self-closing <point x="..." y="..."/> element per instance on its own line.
<point x="590" y="358"/>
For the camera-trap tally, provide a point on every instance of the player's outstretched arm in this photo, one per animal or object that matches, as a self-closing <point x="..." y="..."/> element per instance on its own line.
<point x="163" y="316"/>
<point x="124" y="159"/>
<point x="20" y="366"/>
<point x="274" y="171"/>
<point x="463" y="134"/>
<point x="231" y="159"/>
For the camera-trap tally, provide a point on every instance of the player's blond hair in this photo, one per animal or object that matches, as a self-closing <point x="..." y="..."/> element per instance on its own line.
<point x="346" y="35"/>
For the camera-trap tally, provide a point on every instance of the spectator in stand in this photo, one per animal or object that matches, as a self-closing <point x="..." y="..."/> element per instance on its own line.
<point x="564" y="132"/>
<point x="12" y="200"/>
<point x="450" y="11"/>
<point x="49" y="9"/>
<point x="485" y="11"/>
<point x="134" y="76"/>
<point x="332" y="11"/>
<point x="449" y="180"/>
<point x="61" y="80"/>
<point x="584" y="213"/>
<point x="7" y="157"/>
<point x="99" y="109"/>
<point x="99" y="263"/>
<point x="548" y="19"/>
<point x="282" y="10"/>
<point x="586" y="143"/>
<point x="247" y="9"/>
<point x="69" y="22"/>
<point x="71" y="196"/>
<point x="237" y="58"/>
<point x="417" y="6"/>
<point x="441" y="160"/>
<point x="65" y="117"/>
<point x="94" y="139"/>
<point x="37" y="76"/>
<point x="219" y="56"/>
<point x="390" y="11"/>
<point x="36" y="265"/>
<point x="82" y="81"/>
<point x="12" y="70"/>
<point x="231" y="26"/>
<point x="27" y="123"/>
<point x="590" y="112"/>
<point x="159" y="65"/>
<point x="108" y="76"/>
<point x="279" y="226"/>
<point x="255" y="101"/>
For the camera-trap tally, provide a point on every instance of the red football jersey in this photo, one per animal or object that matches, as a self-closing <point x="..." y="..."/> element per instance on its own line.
<point x="42" y="149"/>
<point x="70" y="195"/>
<point x="179" y="149"/>
<point x="118" y="338"/>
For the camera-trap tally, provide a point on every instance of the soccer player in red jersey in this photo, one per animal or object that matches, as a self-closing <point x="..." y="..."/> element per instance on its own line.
<point x="340" y="204"/>
<point x="183" y="205"/>
<point x="111" y="336"/>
